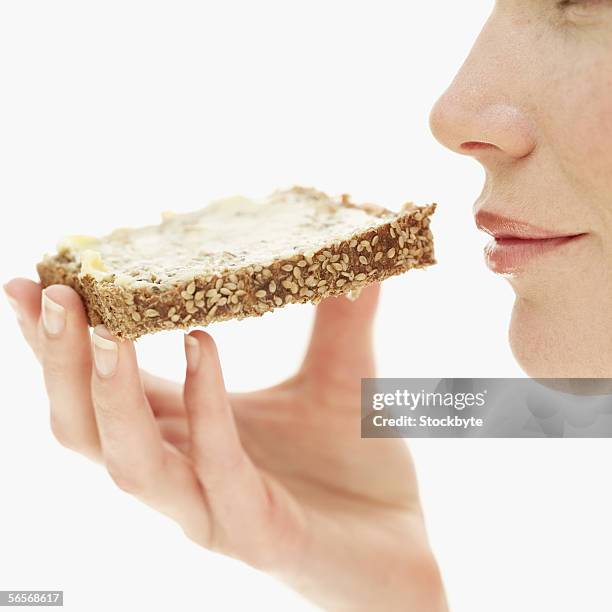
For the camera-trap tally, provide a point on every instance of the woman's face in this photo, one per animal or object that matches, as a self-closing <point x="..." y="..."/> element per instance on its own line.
<point x="533" y="104"/>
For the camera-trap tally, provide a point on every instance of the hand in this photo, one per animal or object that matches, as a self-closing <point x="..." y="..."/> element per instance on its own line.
<point x="279" y="478"/>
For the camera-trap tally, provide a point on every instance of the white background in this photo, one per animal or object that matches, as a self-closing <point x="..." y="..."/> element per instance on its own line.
<point x="111" y="112"/>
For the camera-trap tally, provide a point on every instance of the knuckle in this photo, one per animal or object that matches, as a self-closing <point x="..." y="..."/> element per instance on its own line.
<point x="126" y="481"/>
<point x="215" y="471"/>
<point x="53" y="367"/>
<point x="110" y="410"/>
<point x="72" y="438"/>
<point x="62" y="433"/>
<point x="137" y="480"/>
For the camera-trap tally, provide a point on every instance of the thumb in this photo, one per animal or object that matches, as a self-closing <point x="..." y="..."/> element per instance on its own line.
<point x="341" y="342"/>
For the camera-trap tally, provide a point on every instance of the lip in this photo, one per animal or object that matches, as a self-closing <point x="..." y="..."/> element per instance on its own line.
<point x="516" y="243"/>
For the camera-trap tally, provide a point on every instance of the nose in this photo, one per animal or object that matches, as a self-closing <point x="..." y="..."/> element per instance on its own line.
<point x="482" y="114"/>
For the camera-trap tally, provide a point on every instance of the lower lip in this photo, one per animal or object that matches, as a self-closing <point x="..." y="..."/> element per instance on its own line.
<point x="507" y="255"/>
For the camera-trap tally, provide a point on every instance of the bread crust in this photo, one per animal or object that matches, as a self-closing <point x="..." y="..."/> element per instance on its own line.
<point x="345" y="266"/>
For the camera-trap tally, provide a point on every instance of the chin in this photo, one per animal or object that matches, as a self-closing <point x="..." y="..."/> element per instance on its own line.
<point x="554" y="342"/>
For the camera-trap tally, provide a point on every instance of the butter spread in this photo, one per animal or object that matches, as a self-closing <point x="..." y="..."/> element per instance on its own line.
<point x="227" y="234"/>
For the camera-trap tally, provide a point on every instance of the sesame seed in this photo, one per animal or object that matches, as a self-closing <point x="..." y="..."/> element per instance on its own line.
<point x="272" y="287"/>
<point x="278" y="301"/>
<point x="211" y="293"/>
<point x="191" y="288"/>
<point x="136" y="316"/>
<point x="375" y="240"/>
<point x="231" y="286"/>
<point x="219" y="284"/>
<point x="302" y="263"/>
<point x="199" y="295"/>
<point x="378" y="256"/>
<point x="340" y="282"/>
<point x="311" y="281"/>
<point x="360" y="277"/>
<point x="287" y="267"/>
<point x="222" y="301"/>
<point x="297" y="272"/>
<point x="185" y="295"/>
<point x="225" y="291"/>
<point x="151" y="313"/>
<point x="175" y="318"/>
<point x="172" y="311"/>
<point x="363" y="260"/>
<point x="353" y="244"/>
<point x="260" y="294"/>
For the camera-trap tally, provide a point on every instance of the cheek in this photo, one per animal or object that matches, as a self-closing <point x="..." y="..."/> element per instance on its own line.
<point x="578" y="125"/>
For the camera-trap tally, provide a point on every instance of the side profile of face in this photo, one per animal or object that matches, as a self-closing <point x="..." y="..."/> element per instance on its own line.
<point x="533" y="104"/>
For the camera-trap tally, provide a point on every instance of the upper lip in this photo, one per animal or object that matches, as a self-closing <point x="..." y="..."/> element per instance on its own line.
<point x="501" y="227"/>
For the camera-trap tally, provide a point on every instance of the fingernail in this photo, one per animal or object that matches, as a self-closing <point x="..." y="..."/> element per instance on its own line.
<point x="14" y="304"/>
<point x="53" y="316"/>
<point x="192" y="352"/>
<point x="105" y="355"/>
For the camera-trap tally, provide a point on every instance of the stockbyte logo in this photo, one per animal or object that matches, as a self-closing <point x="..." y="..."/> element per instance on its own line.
<point x="402" y="398"/>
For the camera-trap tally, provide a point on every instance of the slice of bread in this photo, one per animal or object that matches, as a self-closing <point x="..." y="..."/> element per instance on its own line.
<point x="237" y="258"/>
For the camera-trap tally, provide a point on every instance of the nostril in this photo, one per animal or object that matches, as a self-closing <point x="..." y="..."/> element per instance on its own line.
<point x="476" y="146"/>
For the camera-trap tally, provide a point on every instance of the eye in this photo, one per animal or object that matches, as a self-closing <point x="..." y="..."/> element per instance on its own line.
<point x="580" y="6"/>
<point x="582" y="11"/>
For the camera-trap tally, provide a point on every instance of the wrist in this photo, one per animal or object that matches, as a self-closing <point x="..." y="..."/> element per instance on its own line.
<point x="405" y="580"/>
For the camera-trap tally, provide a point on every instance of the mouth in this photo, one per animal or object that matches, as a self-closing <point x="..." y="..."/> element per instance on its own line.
<point x="516" y="244"/>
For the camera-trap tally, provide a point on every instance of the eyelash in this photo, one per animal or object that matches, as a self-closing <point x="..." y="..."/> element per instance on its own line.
<point x="578" y="10"/>
<point x="564" y="4"/>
